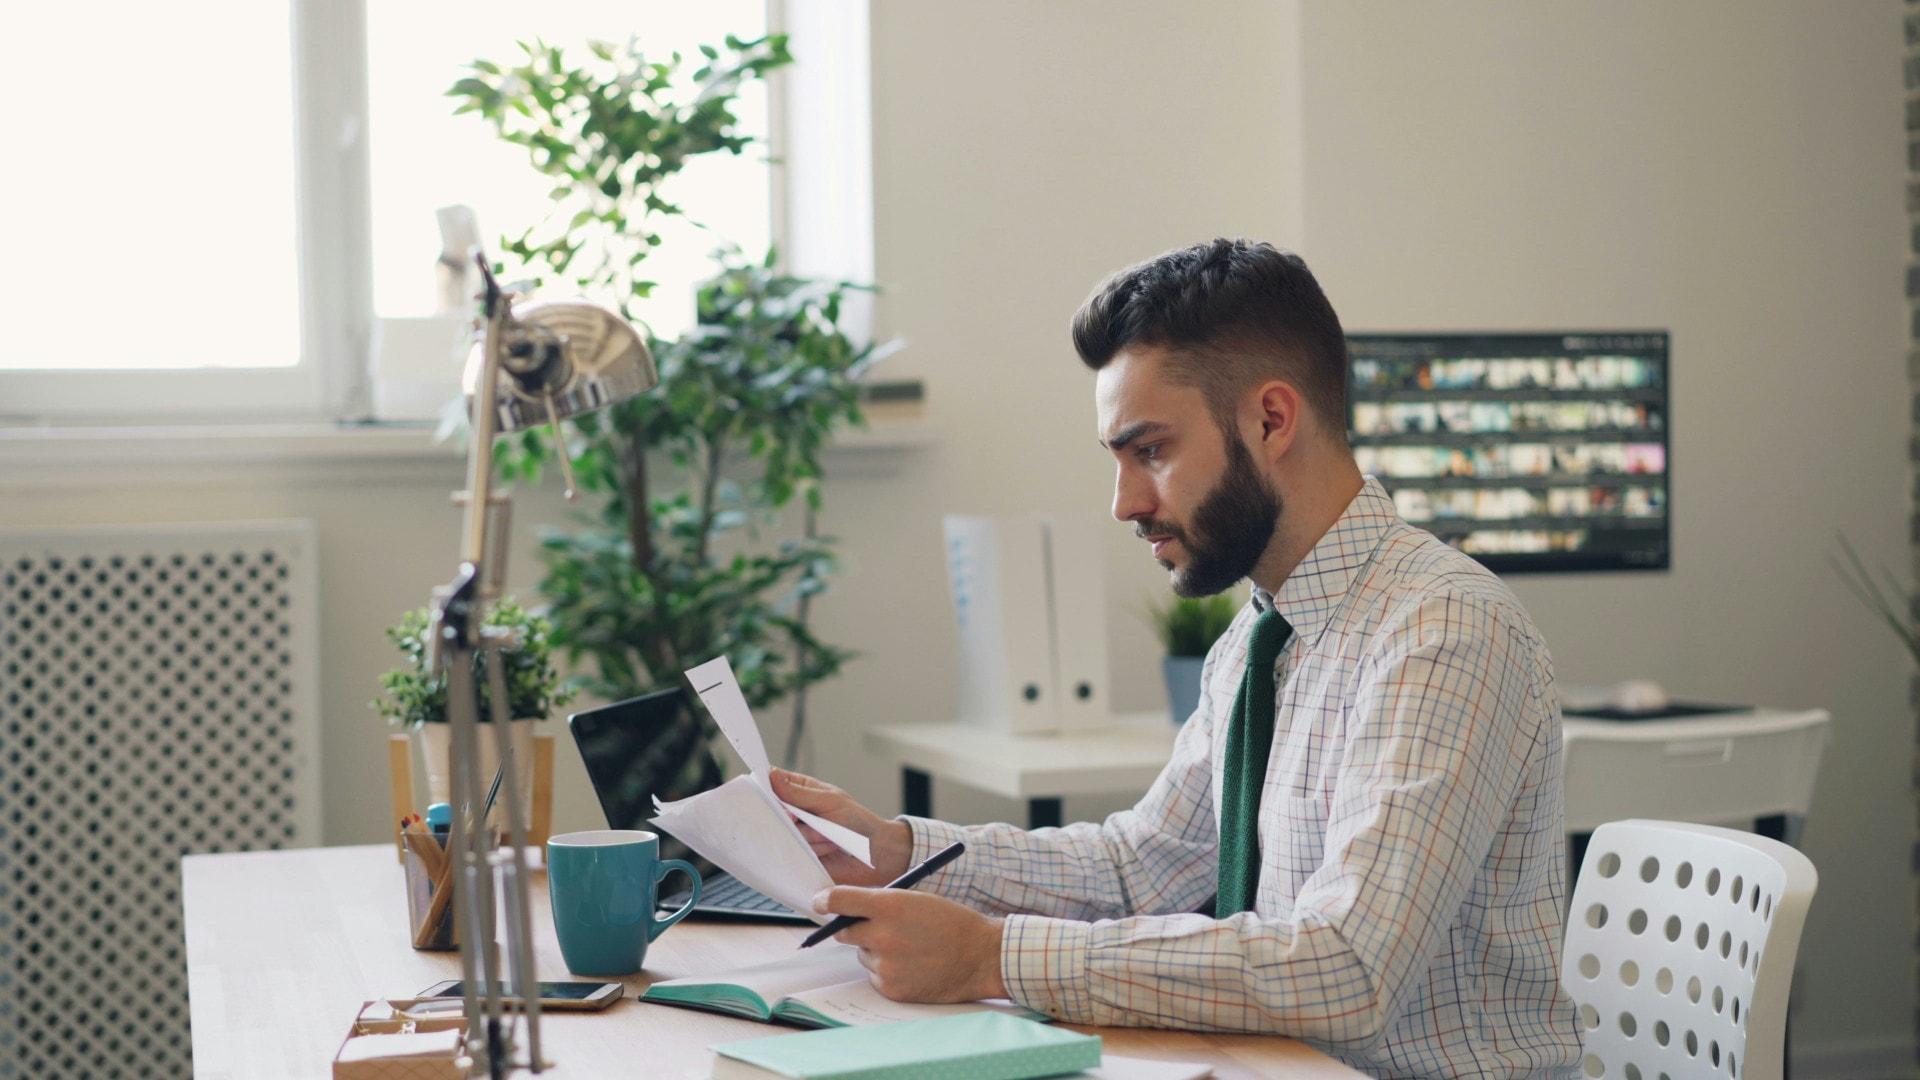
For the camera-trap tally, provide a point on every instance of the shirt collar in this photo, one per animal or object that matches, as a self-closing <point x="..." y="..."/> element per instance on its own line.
<point x="1310" y="594"/>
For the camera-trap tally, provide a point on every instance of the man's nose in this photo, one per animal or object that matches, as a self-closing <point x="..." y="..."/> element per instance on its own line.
<point x="1132" y="497"/>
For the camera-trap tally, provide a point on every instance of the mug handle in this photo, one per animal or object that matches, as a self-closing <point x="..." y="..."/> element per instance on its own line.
<point x="656" y="925"/>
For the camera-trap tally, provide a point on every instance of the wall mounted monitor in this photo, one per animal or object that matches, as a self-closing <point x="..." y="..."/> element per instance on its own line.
<point x="1530" y="452"/>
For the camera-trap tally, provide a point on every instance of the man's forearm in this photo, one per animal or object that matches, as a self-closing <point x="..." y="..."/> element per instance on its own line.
<point x="1197" y="973"/>
<point x="1122" y="867"/>
<point x="1067" y="873"/>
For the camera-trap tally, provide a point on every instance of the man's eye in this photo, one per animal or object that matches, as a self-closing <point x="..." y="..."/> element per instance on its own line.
<point x="1148" y="452"/>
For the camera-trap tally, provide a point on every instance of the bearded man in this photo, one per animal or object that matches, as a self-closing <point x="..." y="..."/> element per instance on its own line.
<point x="1358" y="839"/>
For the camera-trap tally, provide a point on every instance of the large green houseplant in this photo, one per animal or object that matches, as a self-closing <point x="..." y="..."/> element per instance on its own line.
<point x="679" y="563"/>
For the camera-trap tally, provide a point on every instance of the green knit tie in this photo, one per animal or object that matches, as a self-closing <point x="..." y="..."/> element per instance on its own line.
<point x="1249" y="739"/>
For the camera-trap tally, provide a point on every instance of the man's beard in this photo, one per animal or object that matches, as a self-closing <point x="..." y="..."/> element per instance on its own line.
<point x="1230" y="530"/>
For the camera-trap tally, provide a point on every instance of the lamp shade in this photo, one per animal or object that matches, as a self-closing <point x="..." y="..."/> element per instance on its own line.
<point x="577" y="355"/>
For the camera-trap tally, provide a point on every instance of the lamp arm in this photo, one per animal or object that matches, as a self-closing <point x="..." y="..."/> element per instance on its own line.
<point x="485" y="422"/>
<point x="570" y="357"/>
<point x="460" y="615"/>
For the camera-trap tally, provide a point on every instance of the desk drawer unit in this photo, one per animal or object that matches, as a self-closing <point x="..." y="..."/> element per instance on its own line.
<point x="158" y="697"/>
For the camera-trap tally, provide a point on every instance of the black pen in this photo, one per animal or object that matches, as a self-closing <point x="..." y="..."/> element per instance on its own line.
<point x="905" y="881"/>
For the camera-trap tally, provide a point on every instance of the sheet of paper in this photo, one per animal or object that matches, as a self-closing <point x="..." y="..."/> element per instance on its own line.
<point x="796" y="972"/>
<point x="744" y="832"/>
<point x="1115" y="1067"/>
<point x="849" y="841"/>
<point x="857" y="1002"/>
<point x="720" y="692"/>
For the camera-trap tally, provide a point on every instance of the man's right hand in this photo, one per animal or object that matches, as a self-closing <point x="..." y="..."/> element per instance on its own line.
<point x="891" y="841"/>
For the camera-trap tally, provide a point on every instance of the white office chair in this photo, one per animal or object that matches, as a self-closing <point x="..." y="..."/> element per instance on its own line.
<point x="1680" y="950"/>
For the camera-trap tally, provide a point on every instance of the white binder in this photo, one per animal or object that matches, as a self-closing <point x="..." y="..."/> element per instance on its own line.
<point x="1029" y="598"/>
<point x="1078" y="617"/>
<point x="996" y="568"/>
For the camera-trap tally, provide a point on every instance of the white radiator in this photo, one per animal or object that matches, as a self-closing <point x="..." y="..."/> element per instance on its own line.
<point x="158" y="698"/>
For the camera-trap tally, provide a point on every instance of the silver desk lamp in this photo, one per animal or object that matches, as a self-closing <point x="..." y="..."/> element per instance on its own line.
<point x="539" y="364"/>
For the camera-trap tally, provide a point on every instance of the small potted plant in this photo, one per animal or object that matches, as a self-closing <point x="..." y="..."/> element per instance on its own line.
<point x="416" y="698"/>
<point x="1188" y="627"/>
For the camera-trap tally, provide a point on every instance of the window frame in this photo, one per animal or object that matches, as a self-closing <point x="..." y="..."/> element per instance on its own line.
<point x="333" y="265"/>
<point x="331" y="380"/>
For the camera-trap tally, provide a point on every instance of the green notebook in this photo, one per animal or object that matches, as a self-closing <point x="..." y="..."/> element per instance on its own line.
<point x="973" y="1046"/>
<point x="822" y="987"/>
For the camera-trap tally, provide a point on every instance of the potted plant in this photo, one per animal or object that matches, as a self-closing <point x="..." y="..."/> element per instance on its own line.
<point x="676" y="564"/>
<point x="1188" y="627"/>
<point x="416" y="698"/>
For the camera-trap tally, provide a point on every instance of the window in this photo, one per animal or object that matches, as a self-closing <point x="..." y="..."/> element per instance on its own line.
<point x="136" y="195"/>
<point x="151" y="217"/>
<point x="424" y="158"/>
<point x="211" y="217"/>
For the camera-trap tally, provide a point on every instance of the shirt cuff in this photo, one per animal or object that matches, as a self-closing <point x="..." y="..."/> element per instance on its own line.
<point x="1043" y="961"/>
<point x="929" y="837"/>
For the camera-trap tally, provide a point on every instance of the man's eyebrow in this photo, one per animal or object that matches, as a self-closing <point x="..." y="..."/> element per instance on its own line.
<point x="1131" y="432"/>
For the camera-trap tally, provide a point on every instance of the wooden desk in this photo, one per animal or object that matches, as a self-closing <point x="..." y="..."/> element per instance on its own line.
<point x="283" y="946"/>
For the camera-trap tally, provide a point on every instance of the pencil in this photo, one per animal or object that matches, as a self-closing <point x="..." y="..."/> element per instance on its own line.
<point x="437" y="910"/>
<point x="430" y="848"/>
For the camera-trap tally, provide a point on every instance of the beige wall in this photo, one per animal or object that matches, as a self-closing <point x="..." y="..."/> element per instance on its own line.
<point x="1729" y="171"/>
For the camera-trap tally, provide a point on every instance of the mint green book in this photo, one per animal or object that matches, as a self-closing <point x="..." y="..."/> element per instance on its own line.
<point x="821" y="987"/>
<point x="972" y="1046"/>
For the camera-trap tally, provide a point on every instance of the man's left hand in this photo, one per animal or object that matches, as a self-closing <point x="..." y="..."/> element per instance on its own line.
<point x="917" y="946"/>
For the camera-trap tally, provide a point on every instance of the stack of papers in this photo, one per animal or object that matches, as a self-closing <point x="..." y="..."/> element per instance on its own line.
<point x="741" y="826"/>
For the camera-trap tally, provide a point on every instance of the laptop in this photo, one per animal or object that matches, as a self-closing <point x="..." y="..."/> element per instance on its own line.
<point x="628" y="742"/>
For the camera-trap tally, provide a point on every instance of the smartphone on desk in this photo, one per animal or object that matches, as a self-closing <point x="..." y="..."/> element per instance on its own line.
<point x="584" y="996"/>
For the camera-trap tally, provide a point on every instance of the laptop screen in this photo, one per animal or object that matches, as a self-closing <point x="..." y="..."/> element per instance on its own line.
<point x="636" y="749"/>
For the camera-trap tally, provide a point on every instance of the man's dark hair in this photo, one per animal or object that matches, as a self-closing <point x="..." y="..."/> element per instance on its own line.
<point x="1230" y="314"/>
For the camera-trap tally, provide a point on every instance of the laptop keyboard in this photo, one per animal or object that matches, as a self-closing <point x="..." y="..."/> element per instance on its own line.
<point x="729" y="892"/>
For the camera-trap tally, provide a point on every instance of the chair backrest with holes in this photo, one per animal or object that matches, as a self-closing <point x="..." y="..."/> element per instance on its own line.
<point x="1680" y="947"/>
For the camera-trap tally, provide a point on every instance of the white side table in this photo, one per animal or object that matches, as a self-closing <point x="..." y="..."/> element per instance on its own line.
<point x="1731" y="768"/>
<point x="1040" y="769"/>
<point x="1753" y="769"/>
<point x="1719" y="769"/>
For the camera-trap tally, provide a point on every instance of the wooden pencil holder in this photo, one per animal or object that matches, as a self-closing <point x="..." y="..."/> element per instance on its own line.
<point x="400" y="777"/>
<point x="428" y="863"/>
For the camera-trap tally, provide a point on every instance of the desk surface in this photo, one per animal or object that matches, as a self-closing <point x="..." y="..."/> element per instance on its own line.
<point x="283" y="946"/>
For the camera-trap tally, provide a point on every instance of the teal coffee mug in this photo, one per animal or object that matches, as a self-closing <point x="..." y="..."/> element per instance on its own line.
<point x="605" y="885"/>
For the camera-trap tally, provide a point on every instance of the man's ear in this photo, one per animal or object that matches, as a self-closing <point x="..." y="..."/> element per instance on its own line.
<point x="1281" y="413"/>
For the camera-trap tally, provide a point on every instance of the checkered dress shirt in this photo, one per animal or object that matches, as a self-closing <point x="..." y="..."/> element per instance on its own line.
<point x="1408" y="916"/>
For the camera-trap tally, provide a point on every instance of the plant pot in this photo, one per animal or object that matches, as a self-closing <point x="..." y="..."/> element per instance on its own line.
<point x="433" y="745"/>
<point x="1182" y="674"/>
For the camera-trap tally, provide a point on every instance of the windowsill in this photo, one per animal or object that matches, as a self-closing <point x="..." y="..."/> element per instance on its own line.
<point x="49" y="456"/>
<point x="175" y="444"/>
